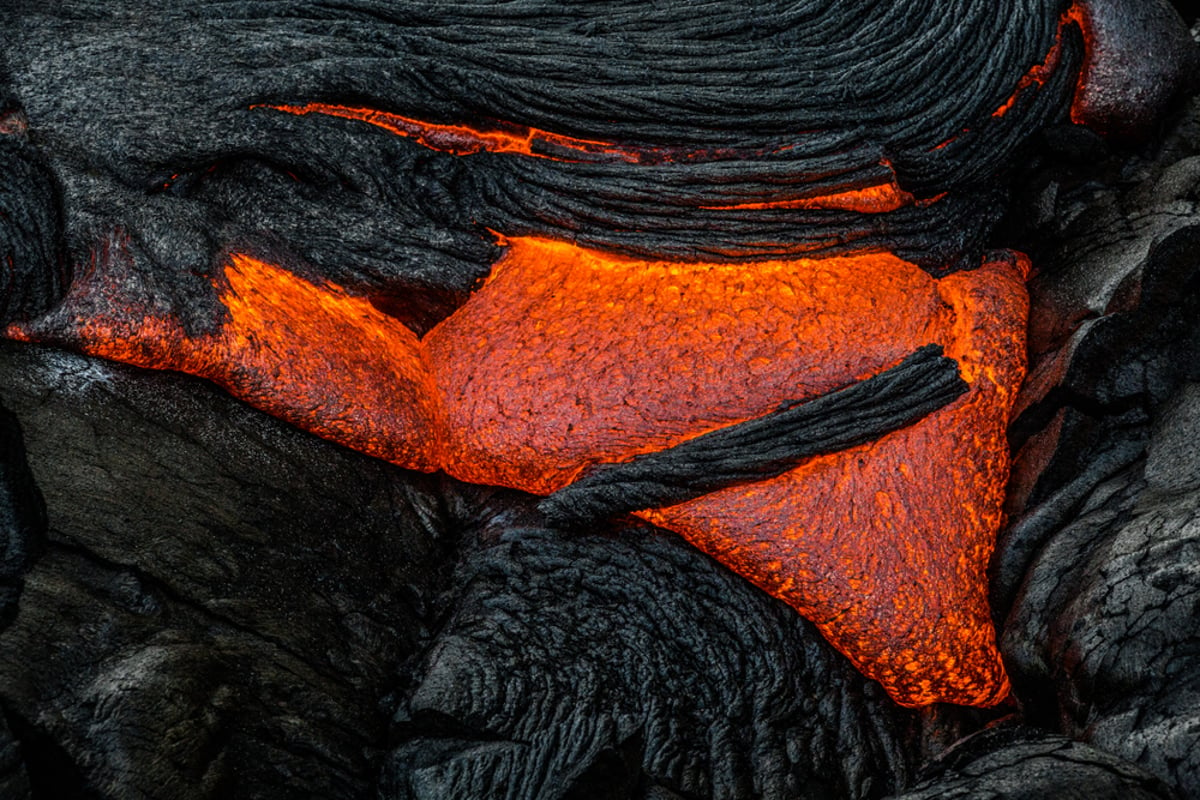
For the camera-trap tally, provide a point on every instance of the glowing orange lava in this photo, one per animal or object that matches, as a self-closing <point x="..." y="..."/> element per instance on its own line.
<point x="310" y="354"/>
<point x="884" y="547"/>
<point x="1079" y="14"/>
<point x="712" y="344"/>
<point x="1038" y="74"/>
<point x="876" y="199"/>
<point x="568" y="357"/>
<point x="464" y="140"/>
<point x="522" y="140"/>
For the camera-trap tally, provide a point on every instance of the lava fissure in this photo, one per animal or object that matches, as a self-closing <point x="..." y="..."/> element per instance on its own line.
<point x="464" y="140"/>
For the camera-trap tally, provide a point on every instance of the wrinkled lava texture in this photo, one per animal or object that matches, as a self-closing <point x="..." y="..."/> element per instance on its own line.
<point x="890" y="567"/>
<point x="882" y="546"/>
<point x="507" y="247"/>
<point x="568" y="355"/>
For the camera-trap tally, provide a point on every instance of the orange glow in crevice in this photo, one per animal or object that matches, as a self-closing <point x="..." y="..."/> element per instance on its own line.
<point x="876" y="199"/>
<point x="1038" y="74"/>
<point x="366" y="384"/>
<point x="568" y="357"/>
<point x="879" y="198"/>
<point x="462" y="140"/>
<point x="1078" y="14"/>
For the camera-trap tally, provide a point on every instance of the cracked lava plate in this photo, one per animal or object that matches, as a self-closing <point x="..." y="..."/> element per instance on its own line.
<point x="568" y="357"/>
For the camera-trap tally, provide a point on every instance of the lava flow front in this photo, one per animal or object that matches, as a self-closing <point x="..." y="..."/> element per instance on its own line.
<point x="568" y="357"/>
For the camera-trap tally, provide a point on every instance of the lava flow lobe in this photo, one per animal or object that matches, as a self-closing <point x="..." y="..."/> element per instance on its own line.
<point x="652" y="293"/>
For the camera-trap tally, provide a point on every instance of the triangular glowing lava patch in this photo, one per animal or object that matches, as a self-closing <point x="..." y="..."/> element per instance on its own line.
<point x="568" y="358"/>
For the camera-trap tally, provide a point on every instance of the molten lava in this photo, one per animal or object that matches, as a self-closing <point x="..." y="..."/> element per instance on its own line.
<point x="1038" y="74"/>
<point x="568" y="357"/>
<point x="465" y="140"/>
<point x="310" y="354"/>
<point x="884" y="547"/>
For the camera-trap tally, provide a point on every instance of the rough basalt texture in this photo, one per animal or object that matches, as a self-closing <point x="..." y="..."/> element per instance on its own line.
<point x="1098" y="575"/>
<point x="22" y="516"/>
<point x="570" y="642"/>
<point x="786" y="103"/>
<point x="1024" y="764"/>
<point x="34" y="273"/>
<point x="227" y="607"/>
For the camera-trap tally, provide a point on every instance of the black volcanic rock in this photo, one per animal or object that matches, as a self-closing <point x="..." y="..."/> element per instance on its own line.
<point x="200" y="601"/>
<point x="223" y="604"/>
<point x="1024" y="764"/>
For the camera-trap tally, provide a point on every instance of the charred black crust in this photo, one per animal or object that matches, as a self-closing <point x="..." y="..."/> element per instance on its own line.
<point x="764" y="447"/>
<point x="780" y="102"/>
<point x="33" y="273"/>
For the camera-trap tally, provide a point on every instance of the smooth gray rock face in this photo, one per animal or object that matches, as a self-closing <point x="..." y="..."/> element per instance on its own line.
<point x="198" y="601"/>
<point x="1141" y="54"/>
<point x="223" y="601"/>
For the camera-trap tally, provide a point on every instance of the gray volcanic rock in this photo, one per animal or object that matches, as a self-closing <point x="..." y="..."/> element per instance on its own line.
<point x="1023" y="764"/>
<point x="610" y="665"/>
<point x="197" y="600"/>
<point x="223" y="602"/>
<point x="1099" y="572"/>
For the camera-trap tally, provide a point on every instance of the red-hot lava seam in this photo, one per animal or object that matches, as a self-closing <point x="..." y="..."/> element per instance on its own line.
<point x="462" y="140"/>
<point x="1078" y="13"/>
<point x="1039" y="73"/>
